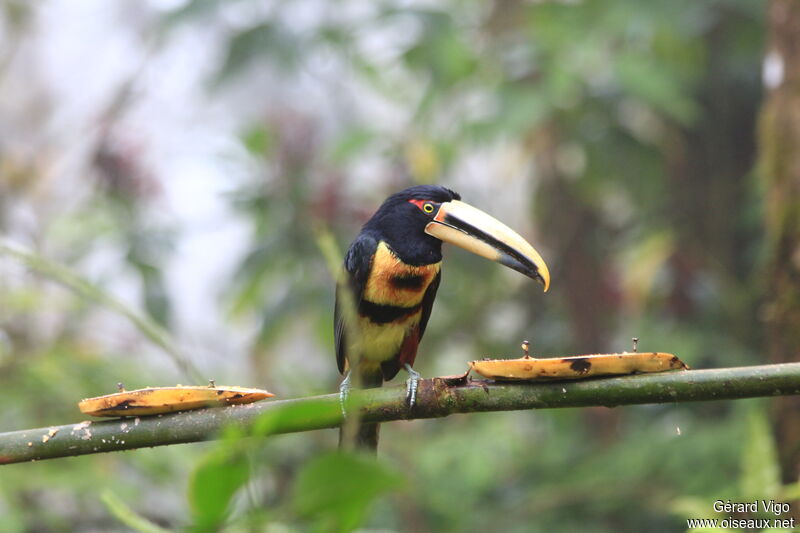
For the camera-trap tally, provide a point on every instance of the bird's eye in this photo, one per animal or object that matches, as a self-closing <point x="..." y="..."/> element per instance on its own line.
<point x="426" y="206"/>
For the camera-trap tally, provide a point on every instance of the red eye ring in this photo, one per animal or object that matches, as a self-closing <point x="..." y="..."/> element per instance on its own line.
<point x="427" y="207"/>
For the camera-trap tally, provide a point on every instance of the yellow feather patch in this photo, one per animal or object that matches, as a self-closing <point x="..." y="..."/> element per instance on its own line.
<point x="383" y="341"/>
<point x="392" y="282"/>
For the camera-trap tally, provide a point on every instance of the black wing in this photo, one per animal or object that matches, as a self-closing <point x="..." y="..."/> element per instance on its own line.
<point x="427" y="303"/>
<point x="357" y="264"/>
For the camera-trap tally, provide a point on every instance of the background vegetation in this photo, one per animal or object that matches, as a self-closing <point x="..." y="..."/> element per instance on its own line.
<point x="184" y="155"/>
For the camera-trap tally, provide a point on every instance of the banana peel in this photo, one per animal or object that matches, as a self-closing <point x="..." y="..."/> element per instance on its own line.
<point x="160" y="400"/>
<point x="576" y="367"/>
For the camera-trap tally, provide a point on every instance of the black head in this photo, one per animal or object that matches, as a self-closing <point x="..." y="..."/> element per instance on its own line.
<point x="401" y="220"/>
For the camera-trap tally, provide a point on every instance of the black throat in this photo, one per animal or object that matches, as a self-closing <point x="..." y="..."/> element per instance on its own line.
<point x="411" y="246"/>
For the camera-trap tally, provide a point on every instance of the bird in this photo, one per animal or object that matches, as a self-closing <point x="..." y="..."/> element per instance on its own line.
<point x="388" y="283"/>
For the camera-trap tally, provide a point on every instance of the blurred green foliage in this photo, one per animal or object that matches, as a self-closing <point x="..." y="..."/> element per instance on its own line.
<point x="621" y="130"/>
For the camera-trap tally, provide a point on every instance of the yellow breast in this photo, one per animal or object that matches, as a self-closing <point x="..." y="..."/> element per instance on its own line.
<point x="392" y="282"/>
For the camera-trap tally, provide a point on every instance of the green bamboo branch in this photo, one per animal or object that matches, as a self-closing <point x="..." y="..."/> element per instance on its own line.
<point x="65" y="276"/>
<point x="437" y="397"/>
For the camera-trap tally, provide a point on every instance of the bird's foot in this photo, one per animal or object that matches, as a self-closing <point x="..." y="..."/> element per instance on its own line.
<point x="344" y="392"/>
<point x="411" y="385"/>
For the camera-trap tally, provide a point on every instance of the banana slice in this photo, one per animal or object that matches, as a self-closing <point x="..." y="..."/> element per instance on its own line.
<point x="576" y="367"/>
<point x="159" y="400"/>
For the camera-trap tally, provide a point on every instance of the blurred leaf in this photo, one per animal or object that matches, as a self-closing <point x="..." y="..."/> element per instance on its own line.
<point x="304" y="414"/>
<point x="226" y="469"/>
<point x="13" y="515"/>
<point x="336" y="490"/>
<point x="251" y="279"/>
<point x="521" y="108"/>
<point x="127" y="516"/>
<point x="259" y="140"/>
<point x="214" y="483"/>
<point x="694" y="507"/>
<point x="648" y="80"/>
<point x="72" y="280"/>
<point x="760" y="467"/>
<point x="351" y="143"/>
<point x="423" y="160"/>
<point x="156" y="299"/>
<point x="16" y="14"/>
<point x="277" y="314"/>
<point x="790" y="492"/>
<point x="441" y="51"/>
<point x="642" y="264"/>
<point x="191" y="9"/>
<point x="266" y="39"/>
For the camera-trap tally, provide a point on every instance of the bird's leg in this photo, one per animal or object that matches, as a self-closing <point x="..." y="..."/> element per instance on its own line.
<point x="411" y="385"/>
<point x="344" y="392"/>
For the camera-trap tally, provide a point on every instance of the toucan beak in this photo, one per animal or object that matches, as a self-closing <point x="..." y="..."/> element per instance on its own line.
<point x="470" y="228"/>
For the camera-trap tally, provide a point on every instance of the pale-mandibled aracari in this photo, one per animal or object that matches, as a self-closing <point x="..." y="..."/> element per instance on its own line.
<point x="392" y="270"/>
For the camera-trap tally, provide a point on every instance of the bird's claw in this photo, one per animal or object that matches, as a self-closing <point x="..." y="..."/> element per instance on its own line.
<point x="411" y="385"/>
<point x="344" y="392"/>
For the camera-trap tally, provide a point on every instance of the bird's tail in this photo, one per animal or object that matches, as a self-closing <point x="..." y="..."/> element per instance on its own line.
<point x="365" y="435"/>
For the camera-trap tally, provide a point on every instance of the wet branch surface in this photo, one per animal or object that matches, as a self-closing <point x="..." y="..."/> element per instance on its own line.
<point x="436" y="398"/>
